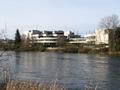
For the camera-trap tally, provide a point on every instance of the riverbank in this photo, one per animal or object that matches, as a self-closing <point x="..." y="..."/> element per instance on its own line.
<point x="69" y="48"/>
<point x="114" y="53"/>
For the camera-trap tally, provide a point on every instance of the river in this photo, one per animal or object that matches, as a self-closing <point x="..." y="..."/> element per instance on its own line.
<point x="75" y="71"/>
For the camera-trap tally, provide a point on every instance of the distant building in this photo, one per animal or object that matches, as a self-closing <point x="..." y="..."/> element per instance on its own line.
<point x="90" y="38"/>
<point x="49" y="38"/>
<point x="102" y="36"/>
<point x="77" y="40"/>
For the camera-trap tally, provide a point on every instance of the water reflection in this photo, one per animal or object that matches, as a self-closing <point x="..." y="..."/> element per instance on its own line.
<point x="73" y="70"/>
<point x="114" y="73"/>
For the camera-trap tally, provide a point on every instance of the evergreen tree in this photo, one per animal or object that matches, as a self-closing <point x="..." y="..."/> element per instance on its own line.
<point x="17" y="37"/>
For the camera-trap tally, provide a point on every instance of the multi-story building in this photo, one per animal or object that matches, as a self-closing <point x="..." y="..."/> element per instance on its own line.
<point x="48" y="38"/>
<point x="51" y="38"/>
<point x="77" y="39"/>
<point x="90" y="38"/>
<point x="101" y="36"/>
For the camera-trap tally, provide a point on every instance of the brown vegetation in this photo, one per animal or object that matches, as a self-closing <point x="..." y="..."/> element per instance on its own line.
<point x="32" y="86"/>
<point x="28" y="85"/>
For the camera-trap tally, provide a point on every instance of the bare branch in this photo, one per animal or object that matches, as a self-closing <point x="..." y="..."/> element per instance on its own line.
<point x="109" y="22"/>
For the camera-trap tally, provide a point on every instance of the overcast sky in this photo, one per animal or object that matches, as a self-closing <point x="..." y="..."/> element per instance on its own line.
<point x="80" y="16"/>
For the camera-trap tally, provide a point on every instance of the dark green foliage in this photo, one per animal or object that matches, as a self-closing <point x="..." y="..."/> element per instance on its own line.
<point x="117" y="39"/>
<point x="117" y="33"/>
<point x="17" y="37"/>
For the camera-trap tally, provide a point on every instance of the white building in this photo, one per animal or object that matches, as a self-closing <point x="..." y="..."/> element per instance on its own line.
<point x="77" y="41"/>
<point x="52" y="37"/>
<point x="90" y="38"/>
<point x="102" y="36"/>
<point x="46" y="37"/>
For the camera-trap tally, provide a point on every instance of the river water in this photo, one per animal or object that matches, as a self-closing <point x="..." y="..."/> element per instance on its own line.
<point x="75" y="71"/>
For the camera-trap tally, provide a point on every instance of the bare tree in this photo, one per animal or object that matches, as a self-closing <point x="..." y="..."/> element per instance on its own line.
<point x="109" y="22"/>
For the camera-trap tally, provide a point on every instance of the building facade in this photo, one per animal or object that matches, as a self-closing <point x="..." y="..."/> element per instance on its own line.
<point x="90" y="38"/>
<point x="51" y="38"/>
<point x="100" y="36"/>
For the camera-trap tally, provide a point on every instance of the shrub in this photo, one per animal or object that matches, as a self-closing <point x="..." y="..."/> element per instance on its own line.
<point x="84" y="50"/>
<point x="70" y="48"/>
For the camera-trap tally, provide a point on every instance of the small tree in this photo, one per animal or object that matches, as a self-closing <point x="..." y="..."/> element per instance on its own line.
<point x="17" y="37"/>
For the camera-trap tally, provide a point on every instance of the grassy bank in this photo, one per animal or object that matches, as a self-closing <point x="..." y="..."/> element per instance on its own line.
<point x="22" y="47"/>
<point x="67" y="48"/>
<point x="114" y="53"/>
